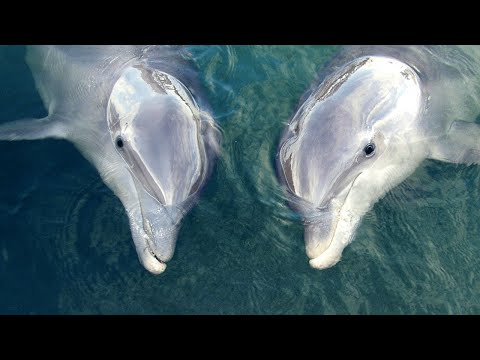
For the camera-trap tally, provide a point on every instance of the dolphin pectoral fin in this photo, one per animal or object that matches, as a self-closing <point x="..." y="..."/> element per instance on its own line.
<point x="461" y="144"/>
<point x="32" y="129"/>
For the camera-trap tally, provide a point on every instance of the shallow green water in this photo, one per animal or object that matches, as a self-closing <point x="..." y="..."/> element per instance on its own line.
<point x="66" y="248"/>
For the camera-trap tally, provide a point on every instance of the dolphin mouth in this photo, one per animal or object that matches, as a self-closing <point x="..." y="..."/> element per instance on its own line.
<point x="324" y="239"/>
<point x="160" y="261"/>
<point x="327" y="259"/>
<point x="150" y="261"/>
<point x="149" y="248"/>
<point x="161" y="244"/>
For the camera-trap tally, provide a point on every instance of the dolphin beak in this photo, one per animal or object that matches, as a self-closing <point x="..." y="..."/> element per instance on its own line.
<point x="325" y="235"/>
<point x="323" y="246"/>
<point x="151" y="262"/>
<point x="317" y="239"/>
<point x="161" y="238"/>
<point x="160" y="224"/>
<point x="329" y="231"/>
<point x="146" y="256"/>
<point x="155" y="238"/>
<point x="327" y="259"/>
<point x="154" y="228"/>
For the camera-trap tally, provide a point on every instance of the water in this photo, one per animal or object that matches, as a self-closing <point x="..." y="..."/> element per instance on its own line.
<point x="66" y="248"/>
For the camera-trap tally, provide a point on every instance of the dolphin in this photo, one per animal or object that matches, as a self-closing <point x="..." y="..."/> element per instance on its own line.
<point x="376" y="113"/>
<point x="137" y="114"/>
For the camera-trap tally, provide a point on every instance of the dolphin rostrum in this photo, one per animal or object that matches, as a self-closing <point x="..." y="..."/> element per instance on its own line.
<point x="135" y="112"/>
<point x="380" y="112"/>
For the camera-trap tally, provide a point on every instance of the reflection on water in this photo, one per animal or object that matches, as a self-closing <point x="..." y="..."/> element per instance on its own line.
<point x="66" y="245"/>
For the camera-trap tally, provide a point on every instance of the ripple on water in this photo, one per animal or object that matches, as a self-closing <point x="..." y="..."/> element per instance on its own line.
<point x="83" y="230"/>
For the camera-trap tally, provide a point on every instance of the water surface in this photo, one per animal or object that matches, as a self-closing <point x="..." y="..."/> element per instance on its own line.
<point x="66" y="247"/>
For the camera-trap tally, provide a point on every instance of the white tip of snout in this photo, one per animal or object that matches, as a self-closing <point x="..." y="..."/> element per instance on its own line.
<point x="325" y="260"/>
<point x="322" y="247"/>
<point x="151" y="263"/>
<point x="155" y="267"/>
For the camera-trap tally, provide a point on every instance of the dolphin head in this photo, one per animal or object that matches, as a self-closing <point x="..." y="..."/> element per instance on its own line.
<point x="156" y="128"/>
<point x="347" y="146"/>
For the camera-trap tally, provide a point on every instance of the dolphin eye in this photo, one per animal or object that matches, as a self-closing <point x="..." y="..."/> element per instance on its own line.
<point x="369" y="149"/>
<point x="119" y="142"/>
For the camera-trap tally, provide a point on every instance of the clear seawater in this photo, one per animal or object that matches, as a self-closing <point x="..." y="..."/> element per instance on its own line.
<point x="66" y="248"/>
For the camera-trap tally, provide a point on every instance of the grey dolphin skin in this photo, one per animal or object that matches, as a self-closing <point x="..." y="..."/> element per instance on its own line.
<point x="376" y="116"/>
<point x="135" y="112"/>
